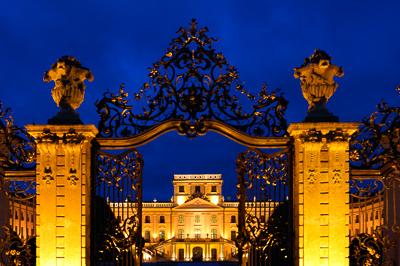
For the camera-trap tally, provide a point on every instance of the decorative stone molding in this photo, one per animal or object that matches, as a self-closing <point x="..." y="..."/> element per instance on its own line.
<point x="70" y="137"/>
<point x="48" y="175"/>
<point x="313" y="135"/>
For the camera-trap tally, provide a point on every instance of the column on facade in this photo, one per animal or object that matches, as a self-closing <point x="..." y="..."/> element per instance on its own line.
<point x="187" y="255"/>
<point x="63" y="193"/>
<point x="320" y="194"/>
<point x="173" y="251"/>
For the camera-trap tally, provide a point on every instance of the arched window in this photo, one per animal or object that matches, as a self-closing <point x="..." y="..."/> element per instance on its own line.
<point x="147" y="235"/>
<point x="181" y="233"/>
<point x="214" y="233"/>
<point x="197" y="233"/>
<point x="162" y="235"/>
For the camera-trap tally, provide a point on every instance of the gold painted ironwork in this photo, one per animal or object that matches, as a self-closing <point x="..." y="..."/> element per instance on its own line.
<point x="17" y="180"/>
<point x="192" y="84"/>
<point x="118" y="179"/>
<point x="375" y="188"/>
<point x="215" y="126"/>
<point x="264" y="231"/>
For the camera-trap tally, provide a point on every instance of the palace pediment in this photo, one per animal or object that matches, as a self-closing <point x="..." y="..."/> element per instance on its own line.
<point x="198" y="204"/>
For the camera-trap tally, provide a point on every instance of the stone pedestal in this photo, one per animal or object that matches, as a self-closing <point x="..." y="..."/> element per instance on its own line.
<point x="63" y="193"/>
<point x="321" y="192"/>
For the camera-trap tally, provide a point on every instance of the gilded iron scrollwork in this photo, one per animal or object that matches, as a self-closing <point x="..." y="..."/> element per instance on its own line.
<point x="376" y="146"/>
<point x="17" y="147"/>
<point x="263" y="194"/>
<point x="17" y="152"/>
<point x="16" y="251"/>
<point x="118" y="188"/>
<point x="377" y="141"/>
<point x="368" y="249"/>
<point x="192" y="83"/>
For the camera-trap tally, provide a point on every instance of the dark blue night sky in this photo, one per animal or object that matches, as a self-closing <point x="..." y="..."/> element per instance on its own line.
<point x="119" y="40"/>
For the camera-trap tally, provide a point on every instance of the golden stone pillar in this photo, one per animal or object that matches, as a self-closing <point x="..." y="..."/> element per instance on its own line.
<point x="321" y="192"/>
<point x="63" y="193"/>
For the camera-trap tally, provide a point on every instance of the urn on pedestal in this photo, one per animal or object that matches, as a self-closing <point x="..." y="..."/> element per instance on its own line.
<point x="318" y="85"/>
<point x="68" y="92"/>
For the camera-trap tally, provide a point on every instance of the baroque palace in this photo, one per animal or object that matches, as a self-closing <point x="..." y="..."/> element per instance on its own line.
<point x="197" y="224"/>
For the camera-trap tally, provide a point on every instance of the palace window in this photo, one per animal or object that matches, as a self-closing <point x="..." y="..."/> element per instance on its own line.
<point x="147" y="235"/>
<point x="372" y="216"/>
<point x="181" y="233"/>
<point x="147" y="219"/>
<point x="16" y="215"/>
<point x="233" y="219"/>
<point x="262" y="219"/>
<point x="197" y="233"/>
<point x="376" y="215"/>
<point x="197" y="219"/>
<point x="213" y="219"/>
<point x="213" y="233"/>
<point x="162" y="235"/>
<point x="180" y="219"/>
<point x="197" y="189"/>
<point x="213" y="188"/>
<point x="357" y="219"/>
<point x="233" y="235"/>
<point x="22" y="216"/>
<point x="162" y="219"/>
<point x="181" y="189"/>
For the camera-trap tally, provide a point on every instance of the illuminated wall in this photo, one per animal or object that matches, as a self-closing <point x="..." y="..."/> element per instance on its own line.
<point x="63" y="189"/>
<point x="321" y="187"/>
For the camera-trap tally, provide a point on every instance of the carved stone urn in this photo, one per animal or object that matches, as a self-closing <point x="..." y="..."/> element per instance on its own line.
<point x="318" y="85"/>
<point x="69" y="88"/>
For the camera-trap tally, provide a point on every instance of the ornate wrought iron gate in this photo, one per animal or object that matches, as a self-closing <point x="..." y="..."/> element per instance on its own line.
<point x="265" y="217"/>
<point x="117" y="203"/>
<point x="17" y="193"/>
<point x="195" y="90"/>
<point x="375" y="189"/>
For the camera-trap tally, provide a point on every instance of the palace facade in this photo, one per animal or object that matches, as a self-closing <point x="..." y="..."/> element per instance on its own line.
<point x="197" y="224"/>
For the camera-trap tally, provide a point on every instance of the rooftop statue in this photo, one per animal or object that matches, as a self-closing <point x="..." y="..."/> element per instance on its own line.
<point x="68" y="92"/>
<point x="318" y="85"/>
